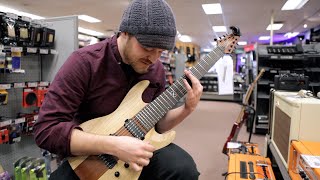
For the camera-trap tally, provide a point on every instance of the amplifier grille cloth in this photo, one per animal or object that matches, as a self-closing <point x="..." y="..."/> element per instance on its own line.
<point x="282" y="132"/>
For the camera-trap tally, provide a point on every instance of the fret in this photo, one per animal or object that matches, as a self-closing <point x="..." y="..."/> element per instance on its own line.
<point x="144" y="117"/>
<point x="169" y="99"/>
<point x="150" y="114"/>
<point x="165" y="106"/>
<point x="155" y="110"/>
<point x="163" y="110"/>
<point x="181" y="84"/>
<point x="145" y="124"/>
<point x="178" y="90"/>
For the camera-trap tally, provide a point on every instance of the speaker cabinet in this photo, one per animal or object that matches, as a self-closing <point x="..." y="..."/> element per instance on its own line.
<point x="293" y="118"/>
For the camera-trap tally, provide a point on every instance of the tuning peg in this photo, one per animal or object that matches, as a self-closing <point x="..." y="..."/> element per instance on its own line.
<point x="215" y="39"/>
<point x="224" y="35"/>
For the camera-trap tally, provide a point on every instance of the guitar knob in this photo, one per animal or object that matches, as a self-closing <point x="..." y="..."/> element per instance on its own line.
<point x="117" y="174"/>
<point x="126" y="165"/>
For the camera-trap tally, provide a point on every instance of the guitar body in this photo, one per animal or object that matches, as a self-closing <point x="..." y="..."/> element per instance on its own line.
<point x="90" y="167"/>
<point x="132" y="108"/>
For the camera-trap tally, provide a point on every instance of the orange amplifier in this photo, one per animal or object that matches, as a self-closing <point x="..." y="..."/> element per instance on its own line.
<point x="243" y="148"/>
<point x="245" y="166"/>
<point x="304" y="160"/>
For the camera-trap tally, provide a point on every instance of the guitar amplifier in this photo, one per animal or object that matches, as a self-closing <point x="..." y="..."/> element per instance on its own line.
<point x="304" y="161"/>
<point x="291" y="82"/>
<point x="244" y="166"/>
<point x="293" y="118"/>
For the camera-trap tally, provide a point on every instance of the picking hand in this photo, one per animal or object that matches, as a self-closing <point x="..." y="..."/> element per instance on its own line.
<point x="135" y="152"/>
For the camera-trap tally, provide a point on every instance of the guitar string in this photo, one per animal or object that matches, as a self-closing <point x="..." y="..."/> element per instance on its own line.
<point x="145" y="119"/>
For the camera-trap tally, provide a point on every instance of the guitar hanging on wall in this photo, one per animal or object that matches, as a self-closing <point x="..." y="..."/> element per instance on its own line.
<point x="242" y="115"/>
<point x="137" y="119"/>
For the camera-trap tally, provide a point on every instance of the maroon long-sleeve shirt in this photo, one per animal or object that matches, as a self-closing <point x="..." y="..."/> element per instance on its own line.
<point x="91" y="83"/>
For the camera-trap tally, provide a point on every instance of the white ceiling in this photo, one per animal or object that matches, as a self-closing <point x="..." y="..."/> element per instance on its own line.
<point x="251" y="16"/>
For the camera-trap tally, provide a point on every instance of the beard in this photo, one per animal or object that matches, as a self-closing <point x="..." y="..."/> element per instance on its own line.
<point x="138" y="64"/>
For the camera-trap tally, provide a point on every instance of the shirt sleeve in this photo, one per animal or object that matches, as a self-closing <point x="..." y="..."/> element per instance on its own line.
<point x="56" y="116"/>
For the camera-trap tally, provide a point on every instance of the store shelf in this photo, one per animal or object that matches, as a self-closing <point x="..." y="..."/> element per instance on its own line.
<point x="274" y="64"/>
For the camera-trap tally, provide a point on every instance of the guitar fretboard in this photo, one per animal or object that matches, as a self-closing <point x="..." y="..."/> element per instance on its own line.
<point x="155" y="110"/>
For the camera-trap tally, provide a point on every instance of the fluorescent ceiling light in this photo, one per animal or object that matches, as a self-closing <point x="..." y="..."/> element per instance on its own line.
<point x="20" y="13"/>
<point x="89" y="32"/>
<point x="290" y="34"/>
<point x="219" y="28"/>
<point x="294" y="4"/>
<point x="242" y="43"/>
<point x="264" y="38"/>
<point x="207" y="50"/>
<point x="185" y="38"/>
<point x="305" y="25"/>
<point x="274" y="27"/>
<point x="212" y="8"/>
<point x="89" y="19"/>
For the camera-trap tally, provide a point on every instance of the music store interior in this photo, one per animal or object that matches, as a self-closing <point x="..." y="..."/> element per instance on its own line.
<point x="258" y="115"/>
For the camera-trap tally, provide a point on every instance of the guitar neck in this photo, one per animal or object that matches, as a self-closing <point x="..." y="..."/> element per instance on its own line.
<point x="155" y="110"/>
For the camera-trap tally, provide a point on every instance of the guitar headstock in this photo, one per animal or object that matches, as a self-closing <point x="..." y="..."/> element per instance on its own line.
<point x="229" y="42"/>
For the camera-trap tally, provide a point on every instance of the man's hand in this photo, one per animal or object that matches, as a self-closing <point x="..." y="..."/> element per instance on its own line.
<point x="133" y="151"/>
<point x="193" y="93"/>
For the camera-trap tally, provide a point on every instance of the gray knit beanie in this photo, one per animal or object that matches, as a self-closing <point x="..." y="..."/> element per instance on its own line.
<point x="152" y="22"/>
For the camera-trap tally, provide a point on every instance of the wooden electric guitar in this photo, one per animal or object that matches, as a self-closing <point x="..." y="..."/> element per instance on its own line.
<point x="137" y="119"/>
<point x="242" y="115"/>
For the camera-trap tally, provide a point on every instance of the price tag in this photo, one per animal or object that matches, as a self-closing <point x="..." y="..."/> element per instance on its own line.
<point x="53" y="51"/>
<point x="44" y="84"/>
<point x="19" y="85"/>
<point x="32" y="50"/>
<point x="5" y="123"/>
<point x="5" y="86"/>
<point x="1" y="47"/>
<point x="44" y="51"/>
<point x="32" y="84"/>
<point x="16" y="49"/>
<point x="20" y="120"/>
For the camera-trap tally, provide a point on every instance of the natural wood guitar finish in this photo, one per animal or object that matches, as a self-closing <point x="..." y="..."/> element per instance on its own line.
<point x="110" y="124"/>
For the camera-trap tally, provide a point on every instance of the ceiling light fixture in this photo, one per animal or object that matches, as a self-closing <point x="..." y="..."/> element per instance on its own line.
<point x="275" y="26"/>
<point x="185" y="38"/>
<point x="89" y="19"/>
<point x="294" y="4"/>
<point x="305" y="25"/>
<point x="242" y="43"/>
<point x="291" y="35"/>
<point x="212" y="8"/>
<point x="219" y="28"/>
<point x="20" y="13"/>
<point x="89" y="32"/>
<point x="263" y="38"/>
